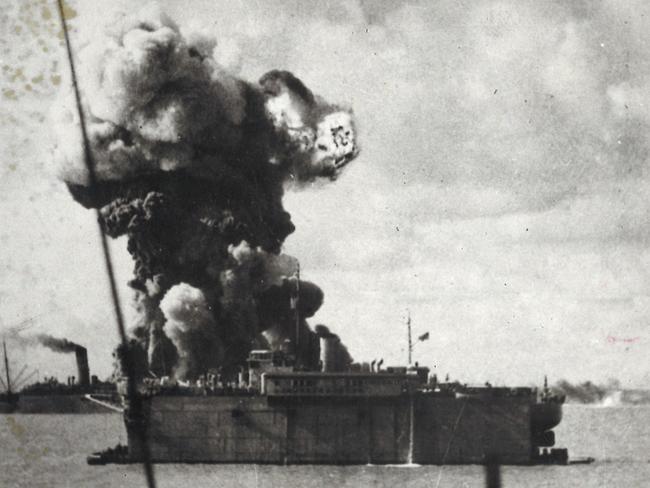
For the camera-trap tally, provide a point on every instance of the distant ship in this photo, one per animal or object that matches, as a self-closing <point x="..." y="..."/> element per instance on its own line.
<point x="275" y="412"/>
<point x="84" y="394"/>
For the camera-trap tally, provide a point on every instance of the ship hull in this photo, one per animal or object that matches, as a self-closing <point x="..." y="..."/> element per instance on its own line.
<point x="417" y="428"/>
<point x="7" y="407"/>
<point x="545" y="416"/>
<point x="8" y="402"/>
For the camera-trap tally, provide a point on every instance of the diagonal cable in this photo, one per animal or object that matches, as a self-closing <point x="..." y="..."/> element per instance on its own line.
<point x="451" y="438"/>
<point x="92" y="181"/>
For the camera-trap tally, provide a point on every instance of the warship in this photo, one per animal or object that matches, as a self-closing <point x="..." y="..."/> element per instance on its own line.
<point x="205" y="225"/>
<point x="276" y="411"/>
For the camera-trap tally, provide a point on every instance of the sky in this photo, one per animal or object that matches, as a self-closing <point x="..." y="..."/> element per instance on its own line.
<point x="499" y="197"/>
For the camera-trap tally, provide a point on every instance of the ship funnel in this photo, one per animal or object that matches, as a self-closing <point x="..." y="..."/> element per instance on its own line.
<point x="327" y="353"/>
<point x="82" y="365"/>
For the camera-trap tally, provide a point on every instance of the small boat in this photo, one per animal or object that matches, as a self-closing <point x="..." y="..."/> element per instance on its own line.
<point x="118" y="455"/>
<point x="582" y="460"/>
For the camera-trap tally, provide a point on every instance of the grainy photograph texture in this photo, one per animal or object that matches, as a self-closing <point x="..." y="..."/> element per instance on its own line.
<point x="324" y="243"/>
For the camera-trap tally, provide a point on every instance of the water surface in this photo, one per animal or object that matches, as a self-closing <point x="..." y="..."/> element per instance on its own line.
<point x="50" y="451"/>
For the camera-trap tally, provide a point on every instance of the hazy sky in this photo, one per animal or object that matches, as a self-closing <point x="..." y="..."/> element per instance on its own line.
<point x="500" y="196"/>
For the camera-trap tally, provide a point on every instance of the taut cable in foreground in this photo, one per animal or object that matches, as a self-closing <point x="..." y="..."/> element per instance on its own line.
<point x="88" y="159"/>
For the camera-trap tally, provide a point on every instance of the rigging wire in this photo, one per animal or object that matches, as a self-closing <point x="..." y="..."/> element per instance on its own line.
<point x="92" y="181"/>
<point x="23" y="382"/>
<point x="17" y="378"/>
<point x="451" y="438"/>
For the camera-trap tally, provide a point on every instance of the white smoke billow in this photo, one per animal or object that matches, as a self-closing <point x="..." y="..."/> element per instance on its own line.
<point x="190" y="326"/>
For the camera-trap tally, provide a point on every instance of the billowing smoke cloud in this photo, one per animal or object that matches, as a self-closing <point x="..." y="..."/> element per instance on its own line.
<point x="192" y="163"/>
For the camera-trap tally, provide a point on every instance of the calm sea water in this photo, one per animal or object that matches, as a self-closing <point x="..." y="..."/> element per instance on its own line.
<point x="50" y="450"/>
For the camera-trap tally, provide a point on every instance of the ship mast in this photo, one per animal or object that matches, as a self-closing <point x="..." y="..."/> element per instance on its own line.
<point x="410" y="341"/>
<point x="4" y="347"/>
<point x="297" y="312"/>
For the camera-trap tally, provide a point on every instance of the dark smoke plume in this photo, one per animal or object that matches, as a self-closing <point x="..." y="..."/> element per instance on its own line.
<point x="56" y="344"/>
<point x="192" y="164"/>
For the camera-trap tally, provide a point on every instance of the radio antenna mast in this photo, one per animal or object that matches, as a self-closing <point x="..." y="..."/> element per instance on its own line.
<point x="410" y="341"/>
<point x="296" y="302"/>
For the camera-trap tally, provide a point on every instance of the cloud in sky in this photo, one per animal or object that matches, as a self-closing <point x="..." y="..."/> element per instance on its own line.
<point x="500" y="194"/>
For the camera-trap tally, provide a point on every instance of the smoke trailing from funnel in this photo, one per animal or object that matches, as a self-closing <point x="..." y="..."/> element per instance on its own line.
<point x="56" y="344"/>
<point x="192" y="164"/>
<point x="59" y="345"/>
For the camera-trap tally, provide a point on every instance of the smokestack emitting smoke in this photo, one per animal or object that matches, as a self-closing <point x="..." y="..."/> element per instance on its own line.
<point x="191" y="164"/>
<point x="61" y="345"/>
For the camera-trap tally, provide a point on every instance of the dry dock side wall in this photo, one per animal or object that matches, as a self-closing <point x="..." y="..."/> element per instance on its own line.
<point x="334" y="431"/>
<point x="466" y="430"/>
<point x="249" y="429"/>
<point x="349" y="433"/>
<point x="214" y="429"/>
